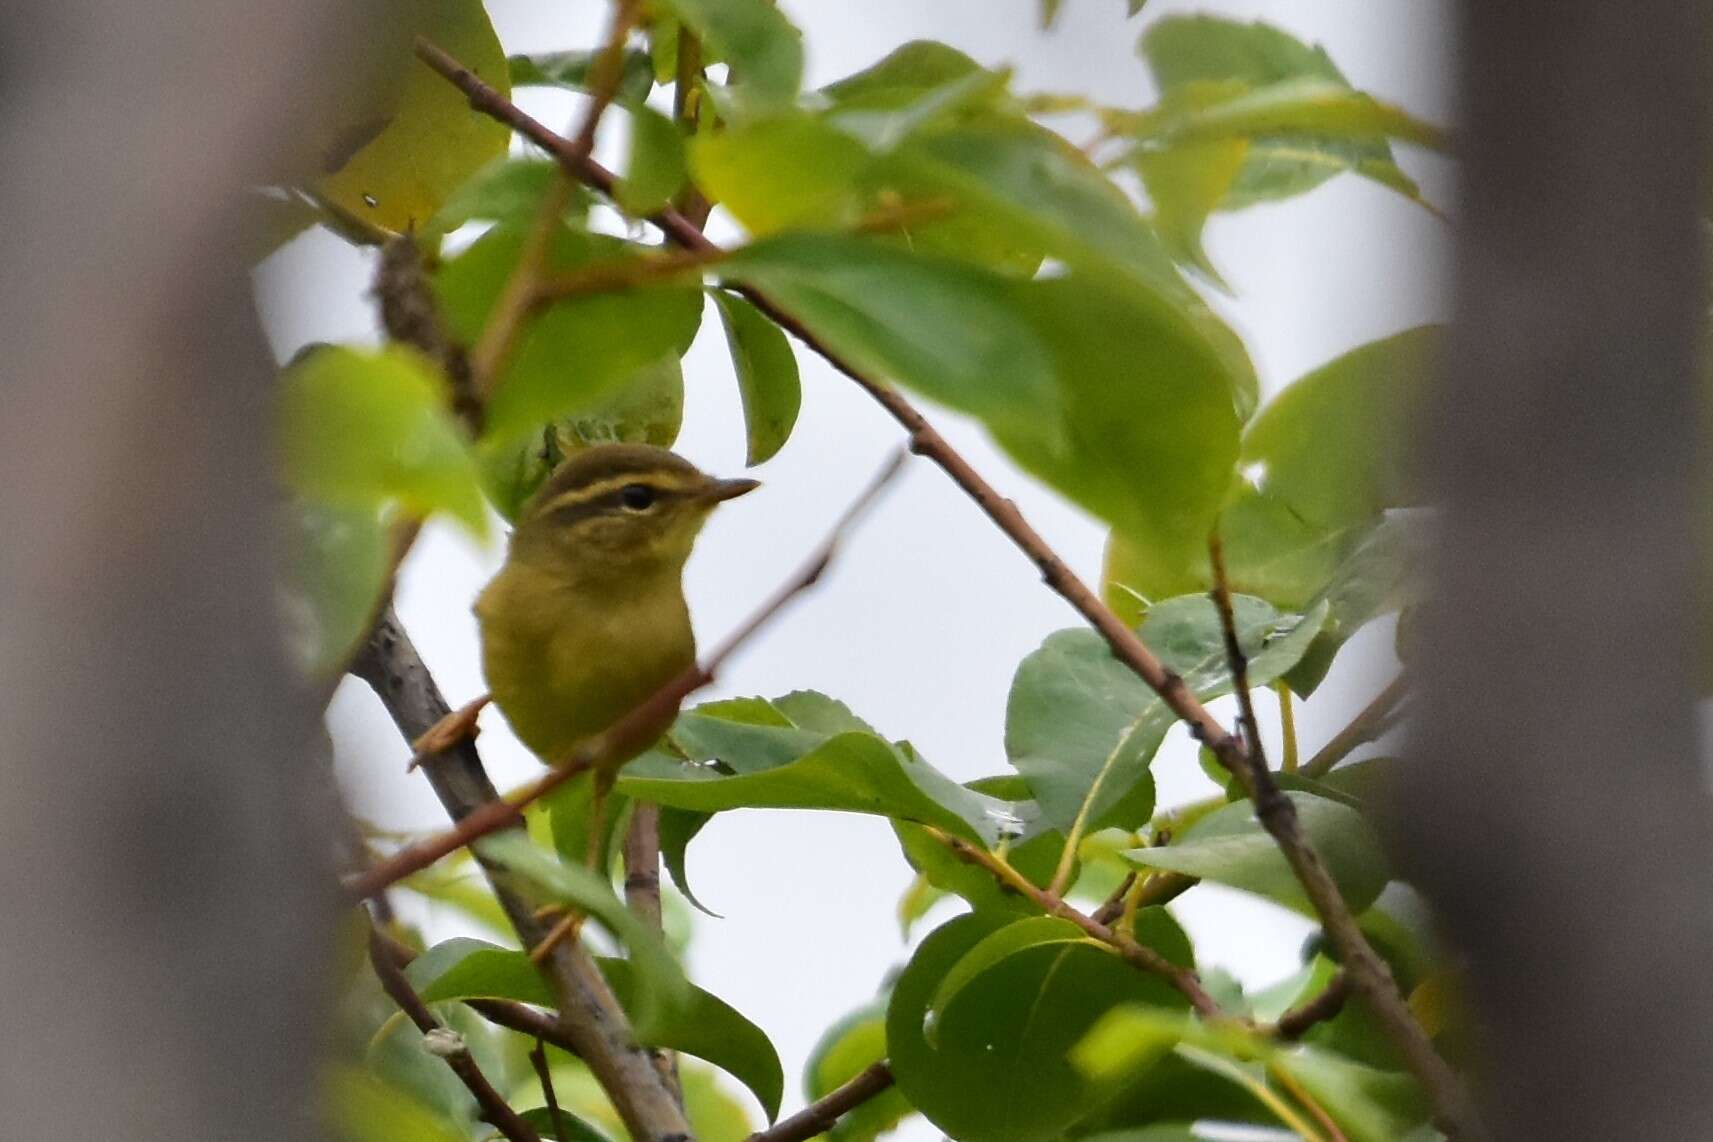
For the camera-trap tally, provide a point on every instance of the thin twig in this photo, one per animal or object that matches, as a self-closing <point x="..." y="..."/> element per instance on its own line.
<point x="1374" y="719"/>
<point x="625" y="737"/>
<point x="642" y="894"/>
<point x="1137" y="955"/>
<point x="1113" y="906"/>
<point x="615" y="274"/>
<point x="821" y="1115"/>
<point x="1278" y="815"/>
<point x="1295" y="1023"/>
<point x="1234" y="656"/>
<point x="495" y="1110"/>
<point x="538" y="1059"/>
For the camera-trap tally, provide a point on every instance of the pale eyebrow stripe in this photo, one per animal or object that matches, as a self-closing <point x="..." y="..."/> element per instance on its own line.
<point x="663" y="482"/>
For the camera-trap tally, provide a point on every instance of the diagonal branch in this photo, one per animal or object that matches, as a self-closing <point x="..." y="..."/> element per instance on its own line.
<point x="1239" y="662"/>
<point x="1370" y="976"/>
<point x="824" y="1113"/>
<point x="495" y="1109"/>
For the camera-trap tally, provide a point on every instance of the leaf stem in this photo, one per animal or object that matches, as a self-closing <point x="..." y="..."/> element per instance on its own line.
<point x="1133" y="953"/>
<point x="1287" y="726"/>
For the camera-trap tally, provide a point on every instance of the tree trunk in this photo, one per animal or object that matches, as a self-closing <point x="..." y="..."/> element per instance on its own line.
<point x="1558" y="812"/>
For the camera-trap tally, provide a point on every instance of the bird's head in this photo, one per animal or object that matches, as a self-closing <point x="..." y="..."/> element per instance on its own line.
<point x="616" y="511"/>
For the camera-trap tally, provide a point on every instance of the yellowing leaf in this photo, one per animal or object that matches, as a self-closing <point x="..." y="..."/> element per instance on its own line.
<point x="418" y="150"/>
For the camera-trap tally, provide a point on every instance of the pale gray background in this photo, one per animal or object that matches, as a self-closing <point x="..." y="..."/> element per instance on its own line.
<point x="929" y="609"/>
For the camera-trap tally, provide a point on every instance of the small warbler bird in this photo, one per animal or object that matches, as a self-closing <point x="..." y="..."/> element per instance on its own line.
<point x="587" y="617"/>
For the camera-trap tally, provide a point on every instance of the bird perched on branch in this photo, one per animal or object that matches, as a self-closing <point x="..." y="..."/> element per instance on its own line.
<point x="587" y="617"/>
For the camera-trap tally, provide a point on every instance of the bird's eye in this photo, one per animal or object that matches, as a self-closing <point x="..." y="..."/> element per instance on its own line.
<point x="637" y="497"/>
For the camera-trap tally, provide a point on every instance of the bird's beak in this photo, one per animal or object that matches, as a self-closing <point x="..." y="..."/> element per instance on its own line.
<point x="721" y="490"/>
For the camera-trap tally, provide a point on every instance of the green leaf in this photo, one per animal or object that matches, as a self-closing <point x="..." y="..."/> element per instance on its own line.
<point x="902" y="76"/>
<point x="361" y="1108"/>
<point x="507" y="190"/>
<point x="1203" y="61"/>
<point x="665" y="989"/>
<point x="654" y="165"/>
<point x="678" y="827"/>
<point x="1082" y="727"/>
<point x="363" y="428"/>
<point x="1147" y="430"/>
<point x="715" y="1116"/>
<point x="1312" y="104"/>
<point x="703" y="1025"/>
<point x="469" y="895"/>
<point x="1230" y="847"/>
<point x="945" y="328"/>
<point x="791" y="170"/>
<point x="1369" y="1104"/>
<point x="765" y="52"/>
<point x="1186" y="184"/>
<point x="1044" y="191"/>
<point x="545" y="1123"/>
<point x="576" y="352"/>
<point x="337" y="571"/>
<point x="1161" y="1132"/>
<point x="463" y="968"/>
<point x="710" y="1029"/>
<point x="852" y="772"/>
<point x="847" y="1048"/>
<point x="1333" y="445"/>
<point x="570" y="809"/>
<point x="994" y="1067"/>
<point x="573" y="69"/>
<point x="394" y="161"/>
<point x="1380" y="574"/>
<point x="766" y="370"/>
<point x="647" y="409"/>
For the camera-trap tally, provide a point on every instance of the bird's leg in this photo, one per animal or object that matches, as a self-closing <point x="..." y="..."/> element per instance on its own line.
<point x="566" y="929"/>
<point x="449" y="731"/>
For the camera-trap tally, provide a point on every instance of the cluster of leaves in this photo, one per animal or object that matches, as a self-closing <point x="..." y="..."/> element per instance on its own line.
<point x="924" y="225"/>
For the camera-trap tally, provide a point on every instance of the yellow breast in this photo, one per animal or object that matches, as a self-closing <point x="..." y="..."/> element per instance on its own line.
<point x="563" y="666"/>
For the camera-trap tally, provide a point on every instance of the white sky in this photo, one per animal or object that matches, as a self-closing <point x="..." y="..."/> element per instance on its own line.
<point x="929" y="609"/>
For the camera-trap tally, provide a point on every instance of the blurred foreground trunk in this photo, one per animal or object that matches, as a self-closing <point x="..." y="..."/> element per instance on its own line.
<point x="1558" y="810"/>
<point x="164" y="914"/>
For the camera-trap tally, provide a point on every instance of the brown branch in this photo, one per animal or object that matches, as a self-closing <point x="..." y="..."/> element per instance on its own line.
<point x="411" y="316"/>
<point x="1137" y="955"/>
<point x="642" y="894"/>
<point x="1374" y="719"/>
<point x="538" y="1059"/>
<point x="624" y="738"/>
<point x="495" y="1110"/>
<point x="823" y="1114"/>
<point x="1234" y="656"/>
<point x="1295" y="1023"/>
<point x="1113" y="906"/>
<point x="1368" y="973"/>
<point x="615" y="274"/>
<point x="1371" y="977"/>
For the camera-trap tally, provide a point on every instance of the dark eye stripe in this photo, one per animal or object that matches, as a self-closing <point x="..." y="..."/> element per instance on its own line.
<point x="607" y="503"/>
